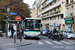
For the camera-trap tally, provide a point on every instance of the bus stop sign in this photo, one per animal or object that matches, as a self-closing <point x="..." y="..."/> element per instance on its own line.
<point x="18" y="18"/>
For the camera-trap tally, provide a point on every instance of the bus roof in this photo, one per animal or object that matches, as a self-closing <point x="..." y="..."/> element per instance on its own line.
<point x="33" y="18"/>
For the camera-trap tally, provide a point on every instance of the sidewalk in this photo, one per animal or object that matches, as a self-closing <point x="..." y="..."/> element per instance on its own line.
<point x="7" y="42"/>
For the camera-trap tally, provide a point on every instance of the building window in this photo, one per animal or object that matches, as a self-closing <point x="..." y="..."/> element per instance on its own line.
<point x="67" y="1"/>
<point x="55" y="1"/>
<point x="55" y="18"/>
<point x="58" y="17"/>
<point x="50" y="18"/>
<point x="72" y="9"/>
<point x="61" y="16"/>
<point x="67" y="10"/>
<point x="71" y="0"/>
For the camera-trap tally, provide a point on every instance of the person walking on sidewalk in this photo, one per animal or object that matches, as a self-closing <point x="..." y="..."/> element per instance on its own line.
<point x="12" y="31"/>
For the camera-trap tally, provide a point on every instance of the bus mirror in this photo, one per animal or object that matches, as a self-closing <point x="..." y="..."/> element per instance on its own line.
<point x="41" y="25"/>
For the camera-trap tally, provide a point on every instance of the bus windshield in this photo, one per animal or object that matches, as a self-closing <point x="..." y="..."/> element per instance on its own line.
<point x="32" y="25"/>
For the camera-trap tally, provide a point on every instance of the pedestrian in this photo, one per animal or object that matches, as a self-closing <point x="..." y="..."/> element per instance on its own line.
<point x="21" y="31"/>
<point x="12" y="31"/>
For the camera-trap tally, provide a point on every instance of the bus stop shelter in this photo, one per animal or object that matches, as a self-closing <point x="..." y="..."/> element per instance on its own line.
<point x="16" y="27"/>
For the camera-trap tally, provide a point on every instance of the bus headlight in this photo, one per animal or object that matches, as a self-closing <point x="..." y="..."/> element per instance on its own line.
<point x="24" y="31"/>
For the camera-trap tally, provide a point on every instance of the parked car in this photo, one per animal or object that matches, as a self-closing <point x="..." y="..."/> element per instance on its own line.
<point x="44" y="32"/>
<point x="69" y="34"/>
<point x="1" y="33"/>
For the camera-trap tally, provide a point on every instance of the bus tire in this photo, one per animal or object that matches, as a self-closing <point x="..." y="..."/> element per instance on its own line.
<point x="37" y="38"/>
<point x="24" y="37"/>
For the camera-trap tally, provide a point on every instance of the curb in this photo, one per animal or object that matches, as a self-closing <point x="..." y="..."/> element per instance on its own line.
<point x="16" y="45"/>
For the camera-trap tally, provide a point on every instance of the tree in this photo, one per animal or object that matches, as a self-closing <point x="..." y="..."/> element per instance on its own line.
<point x="13" y="5"/>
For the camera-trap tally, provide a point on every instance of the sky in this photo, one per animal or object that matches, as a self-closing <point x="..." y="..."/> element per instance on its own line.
<point x="30" y="2"/>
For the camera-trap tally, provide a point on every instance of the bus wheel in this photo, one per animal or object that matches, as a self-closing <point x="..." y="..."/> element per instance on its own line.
<point x="24" y="37"/>
<point x="37" y="38"/>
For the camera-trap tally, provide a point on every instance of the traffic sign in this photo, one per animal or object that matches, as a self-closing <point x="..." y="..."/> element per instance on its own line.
<point x="8" y="9"/>
<point x="57" y="24"/>
<point x="11" y="13"/>
<point x="54" y="23"/>
<point x="7" y="16"/>
<point x="60" y="25"/>
<point x="18" y="18"/>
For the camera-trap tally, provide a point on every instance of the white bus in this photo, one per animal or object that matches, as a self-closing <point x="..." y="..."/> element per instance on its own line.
<point x="32" y="27"/>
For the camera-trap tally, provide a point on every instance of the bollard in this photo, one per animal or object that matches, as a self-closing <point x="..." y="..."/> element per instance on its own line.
<point x="20" y="38"/>
<point x="14" y="38"/>
<point x="20" y="35"/>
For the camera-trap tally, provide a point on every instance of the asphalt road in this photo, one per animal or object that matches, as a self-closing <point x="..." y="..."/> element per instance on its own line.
<point x="47" y="44"/>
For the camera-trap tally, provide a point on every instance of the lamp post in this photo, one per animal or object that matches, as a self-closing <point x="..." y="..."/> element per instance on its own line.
<point x="18" y="7"/>
<point x="8" y="9"/>
<point x="18" y="26"/>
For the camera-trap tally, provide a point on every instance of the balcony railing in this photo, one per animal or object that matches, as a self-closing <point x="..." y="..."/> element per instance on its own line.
<point x="51" y="7"/>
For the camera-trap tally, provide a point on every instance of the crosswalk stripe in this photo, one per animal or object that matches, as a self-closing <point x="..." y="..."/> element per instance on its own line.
<point x="65" y="42"/>
<point x="57" y="42"/>
<point x="72" y="42"/>
<point x="48" y="42"/>
<point x="39" y="42"/>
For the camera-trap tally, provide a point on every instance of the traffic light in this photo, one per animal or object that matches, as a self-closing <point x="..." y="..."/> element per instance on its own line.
<point x="20" y="11"/>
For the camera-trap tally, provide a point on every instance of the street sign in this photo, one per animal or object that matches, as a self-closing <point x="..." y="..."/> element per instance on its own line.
<point x="11" y="13"/>
<point x="68" y="18"/>
<point x="60" y="25"/>
<point x="8" y="9"/>
<point x="54" y="23"/>
<point x="18" y="18"/>
<point x="57" y="24"/>
<point x="7" y="16"/>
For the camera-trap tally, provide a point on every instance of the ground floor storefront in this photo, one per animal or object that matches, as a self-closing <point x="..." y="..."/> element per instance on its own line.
<point x="69" y="24"/>
<point x="51" y="26"/>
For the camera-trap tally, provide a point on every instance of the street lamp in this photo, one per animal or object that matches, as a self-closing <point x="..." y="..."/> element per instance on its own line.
<point x="8" y="9"/>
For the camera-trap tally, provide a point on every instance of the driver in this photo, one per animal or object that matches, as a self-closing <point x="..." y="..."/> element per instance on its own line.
<point x="54" y="31"/>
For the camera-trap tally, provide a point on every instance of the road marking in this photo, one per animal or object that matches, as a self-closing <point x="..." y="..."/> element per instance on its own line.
<point x="48" y="42"/>
<point x="11" y="49"/>
<point x="72" y="42"/>
<point x="65" y="42"/>
<point x="57" y="42"/>
<point x="39" y="42"/>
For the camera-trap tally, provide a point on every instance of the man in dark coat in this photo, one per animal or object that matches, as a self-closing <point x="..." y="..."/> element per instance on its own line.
<point x="12" y="31"/>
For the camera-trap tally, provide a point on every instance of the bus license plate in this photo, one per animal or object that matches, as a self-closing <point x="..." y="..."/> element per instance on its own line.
<point x="55" y="33"/>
